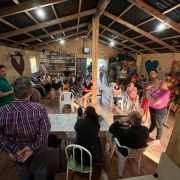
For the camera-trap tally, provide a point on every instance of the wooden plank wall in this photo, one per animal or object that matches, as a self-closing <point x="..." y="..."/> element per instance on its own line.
<point x="76" y="46"/>
<point x="165" y="62"/>
<point x="5" y="59"/>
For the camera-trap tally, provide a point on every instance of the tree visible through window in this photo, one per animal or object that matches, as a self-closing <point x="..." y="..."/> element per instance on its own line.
<point x="33" y="64"/>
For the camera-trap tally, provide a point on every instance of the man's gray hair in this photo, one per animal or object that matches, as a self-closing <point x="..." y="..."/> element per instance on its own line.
<point x="136" y="117"/>
<point x="22" y="88"/>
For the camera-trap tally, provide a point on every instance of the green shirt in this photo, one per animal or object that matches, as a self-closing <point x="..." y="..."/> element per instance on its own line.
<point x="5" y="87"/>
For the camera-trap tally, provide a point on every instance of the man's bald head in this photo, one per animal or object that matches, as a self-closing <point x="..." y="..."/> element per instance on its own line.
<point x="136" y="117"/>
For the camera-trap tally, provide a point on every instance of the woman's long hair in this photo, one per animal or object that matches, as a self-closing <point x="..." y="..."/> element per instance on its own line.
<point x="91" y="114"/>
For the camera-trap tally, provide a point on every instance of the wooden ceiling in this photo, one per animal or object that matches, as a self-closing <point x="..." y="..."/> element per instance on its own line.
<point x="130" y="24"/>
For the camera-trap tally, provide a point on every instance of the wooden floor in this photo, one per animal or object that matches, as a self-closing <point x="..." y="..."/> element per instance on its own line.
<point x="150" y="158"/>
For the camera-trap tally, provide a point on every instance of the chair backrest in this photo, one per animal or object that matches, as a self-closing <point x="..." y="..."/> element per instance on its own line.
<point x="111" y="85"/>
<point x="67" y="96"/>
<point x="81" y="148"/>
<point x="132" y="153"/>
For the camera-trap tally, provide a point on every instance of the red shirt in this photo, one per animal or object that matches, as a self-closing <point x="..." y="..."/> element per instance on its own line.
<point x="134" y="80"/>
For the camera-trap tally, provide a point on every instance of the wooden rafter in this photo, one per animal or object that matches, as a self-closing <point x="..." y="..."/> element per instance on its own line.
<point x="27" y="6"/>
<point x="57" y="43"/>
<point x="140" y="31"/>
<point x="50" y="34"/>
<point x="122" y="44"/>
<point x="150" y="19"/>
<point x="142" y="5"/>
<point x="127" y="38"/>
<point x="46" y="24"/>
<point x="31" y="17"/>
<point x="127" y="9"/>
<point x="79" y="10"/>
<point x="52" y="6"/>
<point x="100" y="10"/>
<point x="57" y="39"/>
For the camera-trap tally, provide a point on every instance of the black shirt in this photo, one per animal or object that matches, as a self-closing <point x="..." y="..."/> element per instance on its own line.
<point x="56" y="86"/>
<point x="67" y="73"/>
<point x="135" y="137"/>
<point x="87" y="87"/>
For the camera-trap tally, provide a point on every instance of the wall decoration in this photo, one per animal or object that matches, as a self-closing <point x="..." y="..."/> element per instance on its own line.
<point x="151" y="65"/>
<point x="19" y="67"/>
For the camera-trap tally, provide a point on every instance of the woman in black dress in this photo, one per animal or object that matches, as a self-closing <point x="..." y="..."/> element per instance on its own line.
<point x="87" y="129"/>
<point x="75" y="87"/>
<point x="87" y="91"/>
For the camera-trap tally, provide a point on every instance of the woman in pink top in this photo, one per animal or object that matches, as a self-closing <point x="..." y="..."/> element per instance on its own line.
<point x="132" y="93"/>
<point x="158" y="101"/>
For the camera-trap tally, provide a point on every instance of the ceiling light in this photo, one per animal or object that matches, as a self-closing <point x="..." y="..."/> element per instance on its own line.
<point x="40" y="12"/>
<point x="77" y="38"/>
<point x="111" y="43"/>
<point x="62" y="41"/>
<point x="161" y="26"/>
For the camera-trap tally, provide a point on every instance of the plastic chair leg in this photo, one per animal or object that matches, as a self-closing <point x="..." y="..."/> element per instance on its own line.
<point x="139" y="164"/>
<point x="60" y="107"/>
<point x="122" y="161"/>
<point x="90" y="174"/>
<point x="67" y="172"/>
<point x="72" y="106"/>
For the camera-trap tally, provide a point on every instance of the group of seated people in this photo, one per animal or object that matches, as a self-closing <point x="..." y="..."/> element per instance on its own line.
<point x="46" y="84"/>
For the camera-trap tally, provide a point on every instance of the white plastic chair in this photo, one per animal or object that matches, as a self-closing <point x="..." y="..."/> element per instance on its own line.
<point x="132" y="153"/>
<point x="120" y="103"/>
<point x="68" y="99"/>
<point x="127" y="101"/>
<point x="73" y="165"/>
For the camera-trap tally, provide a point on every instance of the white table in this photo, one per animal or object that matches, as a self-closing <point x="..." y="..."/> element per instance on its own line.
<point x="63" y="126"/>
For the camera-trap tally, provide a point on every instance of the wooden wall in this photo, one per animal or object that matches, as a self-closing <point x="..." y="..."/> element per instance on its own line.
<point x="165" y="62"/>
<point x="76" y="46"/>
<point x="5" y="59"/>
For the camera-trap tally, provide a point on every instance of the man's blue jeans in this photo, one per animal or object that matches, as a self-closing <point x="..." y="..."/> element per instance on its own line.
<point x="39" y="160"/>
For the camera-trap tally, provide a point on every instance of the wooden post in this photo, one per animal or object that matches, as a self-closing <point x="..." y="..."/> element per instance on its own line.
<point x="95" y="37"/>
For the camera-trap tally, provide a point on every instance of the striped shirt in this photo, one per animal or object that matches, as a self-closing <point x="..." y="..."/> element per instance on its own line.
<point x="23" y="122"/>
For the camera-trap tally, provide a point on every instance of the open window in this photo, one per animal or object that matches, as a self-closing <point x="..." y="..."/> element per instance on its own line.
<point x="33" y="64"/>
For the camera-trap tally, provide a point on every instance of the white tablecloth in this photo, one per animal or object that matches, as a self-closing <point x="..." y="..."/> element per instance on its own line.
<point x="63" y="126"/>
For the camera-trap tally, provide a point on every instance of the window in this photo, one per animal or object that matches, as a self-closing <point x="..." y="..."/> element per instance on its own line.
<point x="33" y="64"/>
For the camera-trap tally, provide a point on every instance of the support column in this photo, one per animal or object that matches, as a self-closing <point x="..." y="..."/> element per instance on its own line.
<point x="95" y="37"/>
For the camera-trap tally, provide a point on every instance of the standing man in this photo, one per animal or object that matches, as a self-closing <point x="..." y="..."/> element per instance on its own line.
<point x="66" y="74"/>
<point x="123" y="76"/>
<point x="149" y="87"/>
<point x="101" y="73"/>
<point x="24" y="130"/>
<point x="89" y="68"/>
<point x="6" y="92"/>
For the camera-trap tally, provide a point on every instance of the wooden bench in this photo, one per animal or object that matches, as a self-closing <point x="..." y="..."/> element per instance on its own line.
<point x="166" y="170"/>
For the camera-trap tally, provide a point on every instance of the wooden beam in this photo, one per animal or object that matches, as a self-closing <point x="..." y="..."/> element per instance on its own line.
<point x="150" y="19"/>
<point x="122" y="44"/>
<point x="27" y="6"/>
<point x="56" y="43"/>
<point x="127" y="9"/>
<point x="50" y="34"/>
<point x="46" y="24"/>
<point x="95" y="37"/>
<point x="142" y="5"/>
<point x="100" y="10"/>
<point x="128" y="39"/>
<point x="79" y="10"/>
<point x="31" y="17"/>
<point x="140" y="31"/>
<point x="52" y="6"/>
<point x="57" y="39"/>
